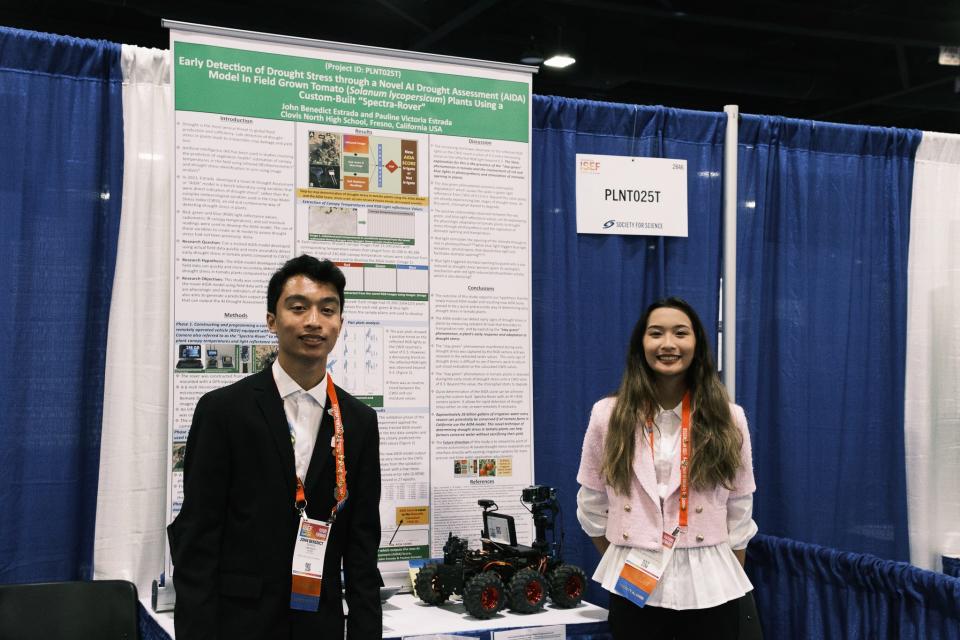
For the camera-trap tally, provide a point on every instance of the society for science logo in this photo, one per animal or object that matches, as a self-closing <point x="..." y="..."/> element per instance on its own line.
<point x="632" y="224"/>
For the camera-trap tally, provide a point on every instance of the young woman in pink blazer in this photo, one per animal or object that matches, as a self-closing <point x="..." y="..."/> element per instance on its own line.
<point x="669" y="454"/>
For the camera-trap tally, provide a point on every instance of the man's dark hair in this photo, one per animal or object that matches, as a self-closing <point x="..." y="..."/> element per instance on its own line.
<point x="316" y="270"/>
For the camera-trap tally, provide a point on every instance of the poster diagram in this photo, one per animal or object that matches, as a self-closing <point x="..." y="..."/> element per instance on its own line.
<point x="324" y="153"/>
<point x="378" y="225"/>
<point x="331" y="221"/>
<point x="208" y="358"/>
<point x="357" y="360"/>
<point x="378" y="278"/>
<point x="375" y="164"/>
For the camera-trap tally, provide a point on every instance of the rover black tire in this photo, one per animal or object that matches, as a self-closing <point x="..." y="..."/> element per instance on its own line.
<point x="484" y="595"/>
<point x="428" y="587"/>
<point x="528" y="591"/>
<point x="567" y="585"/>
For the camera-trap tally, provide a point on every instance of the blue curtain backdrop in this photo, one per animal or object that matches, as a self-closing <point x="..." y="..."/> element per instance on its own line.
<point x="62" y="140"/>
<point x="824" y="214"/>
<point x="589" y="290"/>
<point x="806" y="591"/>
<point x="823" y="225"/>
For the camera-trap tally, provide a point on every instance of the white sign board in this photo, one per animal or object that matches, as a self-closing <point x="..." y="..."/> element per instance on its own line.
<point x="618" y="195"/>
<point x="553" y="632"/>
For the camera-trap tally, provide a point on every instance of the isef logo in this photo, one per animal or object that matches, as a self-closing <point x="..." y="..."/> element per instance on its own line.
<point x="609" y="223"/>
<point x="589" y="166"/>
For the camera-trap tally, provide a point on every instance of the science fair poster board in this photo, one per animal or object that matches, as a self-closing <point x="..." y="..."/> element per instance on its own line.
<point x="412" y="172"/>
<point x="619" y="195"/>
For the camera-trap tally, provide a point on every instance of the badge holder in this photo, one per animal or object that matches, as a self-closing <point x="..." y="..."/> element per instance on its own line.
<point x="643" y="569"/>
<point x="308" y="556"/>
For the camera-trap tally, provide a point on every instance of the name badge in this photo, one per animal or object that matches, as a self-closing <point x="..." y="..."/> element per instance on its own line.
<point x="308" y="554"/>
<point x="643" y="569"/>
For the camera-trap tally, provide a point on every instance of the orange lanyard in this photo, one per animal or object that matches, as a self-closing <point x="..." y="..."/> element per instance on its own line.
<point x="340" y="491"/>
<point x="684" y="454"/>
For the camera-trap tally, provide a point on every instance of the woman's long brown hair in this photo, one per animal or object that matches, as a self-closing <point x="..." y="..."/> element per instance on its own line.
<point x="715" y="438"/>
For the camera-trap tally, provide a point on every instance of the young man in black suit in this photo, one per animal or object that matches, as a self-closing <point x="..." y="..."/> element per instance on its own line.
<point x="233" y="541"/>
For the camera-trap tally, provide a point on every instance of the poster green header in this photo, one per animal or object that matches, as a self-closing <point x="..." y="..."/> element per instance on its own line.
<point x="255" y="84"/>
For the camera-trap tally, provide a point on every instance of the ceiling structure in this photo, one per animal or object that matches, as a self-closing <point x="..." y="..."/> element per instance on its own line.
<point x="869" y="62"/>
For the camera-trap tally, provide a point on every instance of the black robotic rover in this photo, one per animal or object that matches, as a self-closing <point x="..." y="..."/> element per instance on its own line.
<point x="503" y="573"/>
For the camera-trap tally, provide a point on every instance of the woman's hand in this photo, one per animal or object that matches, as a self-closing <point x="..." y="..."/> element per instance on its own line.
<point x="601" y="544"/>
<point x="741" y="555"/>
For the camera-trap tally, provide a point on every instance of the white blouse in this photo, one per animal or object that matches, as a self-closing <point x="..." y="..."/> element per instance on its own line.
<point x="696" y="577"/>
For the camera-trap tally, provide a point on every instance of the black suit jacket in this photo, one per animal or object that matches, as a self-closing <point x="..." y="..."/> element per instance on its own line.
<point x="232" y="542"/>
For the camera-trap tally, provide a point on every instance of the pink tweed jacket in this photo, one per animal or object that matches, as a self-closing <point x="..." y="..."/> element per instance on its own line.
<point x="636" y="520"/>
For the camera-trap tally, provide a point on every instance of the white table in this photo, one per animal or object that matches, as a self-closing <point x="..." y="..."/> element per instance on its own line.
<point x="404" y="616"/>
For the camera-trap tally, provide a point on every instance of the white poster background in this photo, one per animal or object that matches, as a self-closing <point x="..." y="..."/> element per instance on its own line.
<point x="619" y="195"/>
<point x="425" y="316"/>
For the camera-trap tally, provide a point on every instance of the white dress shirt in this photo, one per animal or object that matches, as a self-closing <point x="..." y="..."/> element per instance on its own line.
<point x="304" y="410"/>
<point x="696" y="577"/>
